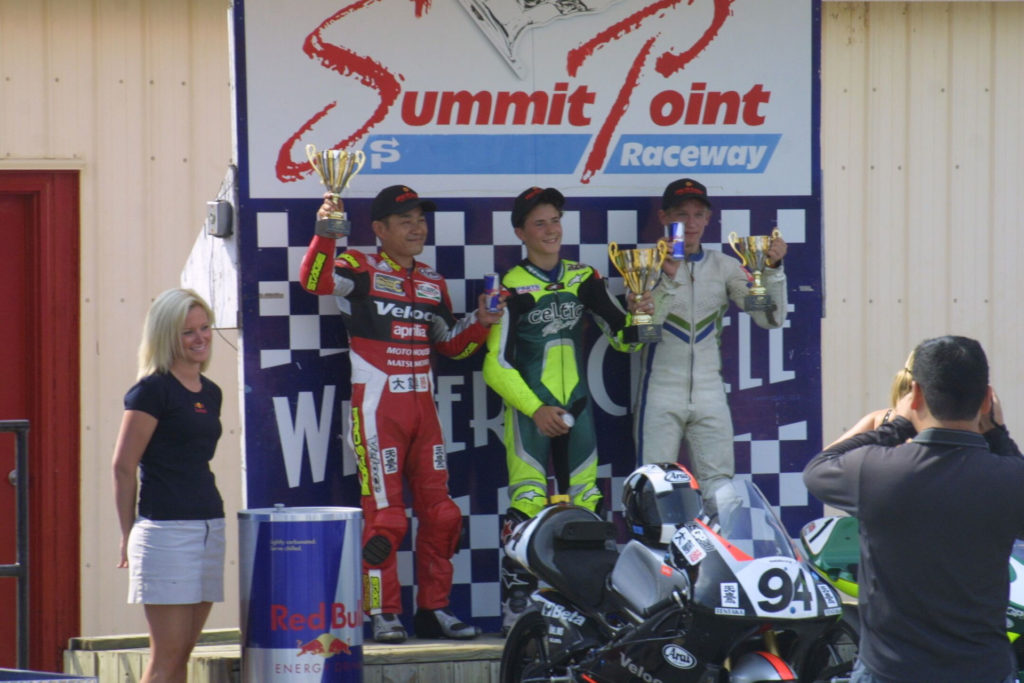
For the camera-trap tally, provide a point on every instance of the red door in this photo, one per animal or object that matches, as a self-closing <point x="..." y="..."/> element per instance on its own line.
<point x="39" y="371"/>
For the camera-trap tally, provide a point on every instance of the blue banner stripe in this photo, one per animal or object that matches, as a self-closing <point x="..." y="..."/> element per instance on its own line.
<point x="479" y="154"/>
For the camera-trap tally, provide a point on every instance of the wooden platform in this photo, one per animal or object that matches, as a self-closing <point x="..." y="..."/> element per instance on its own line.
<point x="217" y="659"/>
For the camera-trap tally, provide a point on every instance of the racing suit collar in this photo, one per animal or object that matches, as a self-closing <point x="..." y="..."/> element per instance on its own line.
<point x="695" y="257"/>
<point x="394" y="264"/>
<point x="553" y="275"/>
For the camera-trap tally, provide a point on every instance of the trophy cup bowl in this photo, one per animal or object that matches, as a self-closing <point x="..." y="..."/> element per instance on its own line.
<point x="640" y="269"/>
<point x="753" y="253"/>
<point x="336" y="168"/>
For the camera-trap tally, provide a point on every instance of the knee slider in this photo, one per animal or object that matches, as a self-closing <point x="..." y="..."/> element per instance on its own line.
<point x="384" y="534"/>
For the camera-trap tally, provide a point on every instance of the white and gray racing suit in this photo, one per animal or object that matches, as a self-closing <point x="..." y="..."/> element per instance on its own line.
<point x="681" y="395"/>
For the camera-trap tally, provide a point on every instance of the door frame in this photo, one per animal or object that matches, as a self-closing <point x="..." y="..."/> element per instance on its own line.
<point x="54" y="408"/>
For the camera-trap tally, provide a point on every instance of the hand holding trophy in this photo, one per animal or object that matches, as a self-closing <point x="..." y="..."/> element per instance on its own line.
<point x="336" y="168"/>
<point x="640" y="269"/>
<point x="753" y="252"/>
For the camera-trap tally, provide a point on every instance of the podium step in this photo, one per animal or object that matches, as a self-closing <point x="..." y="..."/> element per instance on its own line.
<point x="217" y="659"/>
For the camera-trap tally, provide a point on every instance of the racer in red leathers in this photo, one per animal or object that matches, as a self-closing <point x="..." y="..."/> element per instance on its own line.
<point x="396" y="310"/>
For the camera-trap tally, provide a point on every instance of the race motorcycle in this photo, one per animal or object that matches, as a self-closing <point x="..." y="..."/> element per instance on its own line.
<point x="729" y="601"/>
<point x="832" y="545"/>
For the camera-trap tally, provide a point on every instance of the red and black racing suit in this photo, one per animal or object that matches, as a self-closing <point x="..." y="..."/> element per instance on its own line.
<point x="395" y="317"/>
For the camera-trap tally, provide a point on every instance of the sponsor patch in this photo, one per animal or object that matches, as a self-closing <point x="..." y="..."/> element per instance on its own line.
<point x="428" y="290"/>
<point x="371" y="589"/>
<point x="408" y="331"/>
<point x="440" y="461"/>
<point x="389" y="460"/>
<point x="678" y="656"/>
<point x="730" y="593"/>
<point x="349" y="259"/>
<point x="686" y="544"/>
<point x="428" y="273"/>
<point x="389" y="284"/>
<point x="526" y="289"/>
<point x="828" y="595"/>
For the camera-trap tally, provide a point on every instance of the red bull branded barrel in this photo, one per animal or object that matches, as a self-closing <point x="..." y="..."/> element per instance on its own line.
<point x="300" y="590"/>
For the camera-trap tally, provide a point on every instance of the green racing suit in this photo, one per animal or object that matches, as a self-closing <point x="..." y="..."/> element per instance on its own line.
<point x="535" y="357"/>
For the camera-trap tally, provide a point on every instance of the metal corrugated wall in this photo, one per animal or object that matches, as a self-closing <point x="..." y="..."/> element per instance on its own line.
<point x="136" y="94"/>
<point x="921" y="154"/>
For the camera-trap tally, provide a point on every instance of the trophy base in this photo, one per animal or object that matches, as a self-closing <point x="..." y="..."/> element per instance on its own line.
<point x="642" y="334"/>
<point x="333" y="228"/>
<point x="758" y="302"/>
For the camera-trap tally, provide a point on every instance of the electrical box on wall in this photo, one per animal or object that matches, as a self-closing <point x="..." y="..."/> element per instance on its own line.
<point x="219" y="218"/>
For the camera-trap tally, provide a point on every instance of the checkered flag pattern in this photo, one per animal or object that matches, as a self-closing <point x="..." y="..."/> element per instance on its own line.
<point x="301" y="331"/>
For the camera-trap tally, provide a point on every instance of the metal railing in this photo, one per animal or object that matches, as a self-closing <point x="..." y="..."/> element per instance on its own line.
<point x="19" y="570"/>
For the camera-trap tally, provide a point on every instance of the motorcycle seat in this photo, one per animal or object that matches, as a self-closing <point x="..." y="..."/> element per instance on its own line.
<point x="574" y="551"/>
<point x="640" y="582"/>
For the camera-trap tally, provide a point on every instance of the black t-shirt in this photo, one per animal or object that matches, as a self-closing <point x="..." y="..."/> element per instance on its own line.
<point x="176" y="481"/>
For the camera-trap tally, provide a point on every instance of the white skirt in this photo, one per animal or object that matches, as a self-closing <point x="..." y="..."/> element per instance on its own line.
<point x="176" y="562"/>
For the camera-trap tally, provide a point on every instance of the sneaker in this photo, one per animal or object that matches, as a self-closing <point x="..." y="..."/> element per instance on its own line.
<point x="441" y="623"/>
<point x="388" y="629"/>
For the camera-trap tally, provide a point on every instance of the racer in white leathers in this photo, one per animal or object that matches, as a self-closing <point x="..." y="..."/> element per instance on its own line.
<point x="681" y="396"/>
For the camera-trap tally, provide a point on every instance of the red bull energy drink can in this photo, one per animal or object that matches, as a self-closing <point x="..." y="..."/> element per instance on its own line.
<point x="300" y="584"/>
<point x="492" y="287"/>
<point x="677" y="231"/>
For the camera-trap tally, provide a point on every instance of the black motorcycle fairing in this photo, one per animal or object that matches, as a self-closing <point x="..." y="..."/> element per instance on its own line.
<point x="573" y="550"/>
<point x="569" y="631"/>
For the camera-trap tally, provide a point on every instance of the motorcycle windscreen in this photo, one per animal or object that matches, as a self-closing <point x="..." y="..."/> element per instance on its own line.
<point x="746" y="563"/>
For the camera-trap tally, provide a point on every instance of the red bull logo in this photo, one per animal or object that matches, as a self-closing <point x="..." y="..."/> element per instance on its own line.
<point x="282" y="619"/>
<point x="326" y="645"/>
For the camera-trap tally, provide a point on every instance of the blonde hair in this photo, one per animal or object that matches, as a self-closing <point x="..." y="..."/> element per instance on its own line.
<point x="902" y="381"/>
<point x="161" y="332"/>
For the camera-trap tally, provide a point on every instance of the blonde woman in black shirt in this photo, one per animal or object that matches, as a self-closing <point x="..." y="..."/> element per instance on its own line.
<point x="168" y="505"/>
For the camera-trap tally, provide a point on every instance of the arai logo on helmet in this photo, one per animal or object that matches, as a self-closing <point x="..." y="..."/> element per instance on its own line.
<point x="676" y="477"/>
<point x="678" y="657"/>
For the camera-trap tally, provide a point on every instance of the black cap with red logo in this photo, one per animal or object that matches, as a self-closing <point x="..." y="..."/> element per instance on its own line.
<point x="680" y="190"/>
<point x="397" y="199"/>
<point x="531" y="197"/>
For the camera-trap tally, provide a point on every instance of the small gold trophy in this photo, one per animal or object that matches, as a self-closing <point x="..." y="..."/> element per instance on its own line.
<point x="640" y="269"/>
<point x="336" y="168"/>
<point x="753" y="252"/>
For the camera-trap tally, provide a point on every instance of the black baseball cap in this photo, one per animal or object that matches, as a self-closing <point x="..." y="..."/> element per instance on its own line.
<point x="683" y="189"/>
<point x="531" y="197"/>
<point x="397" y="199"/>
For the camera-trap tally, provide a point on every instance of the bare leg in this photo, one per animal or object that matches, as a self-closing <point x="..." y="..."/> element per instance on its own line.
<point x="173" y="632"/>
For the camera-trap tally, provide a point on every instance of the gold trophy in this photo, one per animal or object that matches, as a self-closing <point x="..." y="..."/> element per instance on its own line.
<point x="640" y="269"/>
<point x="336" y="168"/>
<point x="753" y="252"/>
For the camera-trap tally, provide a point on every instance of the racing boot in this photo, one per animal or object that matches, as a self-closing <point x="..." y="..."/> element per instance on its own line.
<point x="388" y="629"/>
<point x="441" y="623"/>
<point x="516" y="586"/>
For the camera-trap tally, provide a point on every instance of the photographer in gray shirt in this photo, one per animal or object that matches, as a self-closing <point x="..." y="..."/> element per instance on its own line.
<point x="940" y="506"/>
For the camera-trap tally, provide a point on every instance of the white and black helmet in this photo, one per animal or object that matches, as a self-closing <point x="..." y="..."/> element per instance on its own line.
<point x="656" y="499"/>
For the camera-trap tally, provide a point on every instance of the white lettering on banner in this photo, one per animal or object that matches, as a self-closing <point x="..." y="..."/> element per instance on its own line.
<point x="595" y="379"/>
<point x="675" y="156"/>
<point x="777" y="353"/>
<point x="383" y="152"/>
<point x="480" y="422"/>
<point x="307" y="429"/>
<point x="745" y="352"/>
<point x="445" y="398"/>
